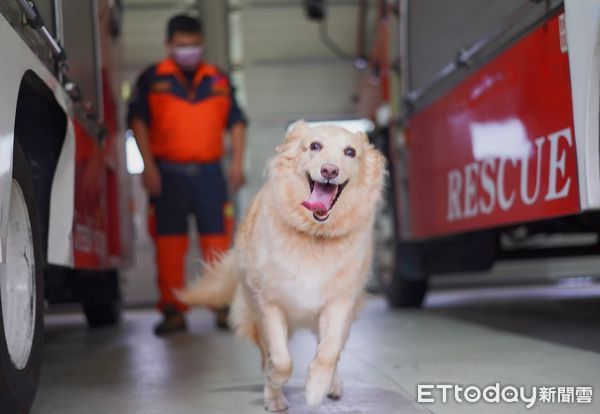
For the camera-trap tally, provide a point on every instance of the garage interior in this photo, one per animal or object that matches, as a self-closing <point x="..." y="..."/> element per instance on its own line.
<point x="531" y="323"/>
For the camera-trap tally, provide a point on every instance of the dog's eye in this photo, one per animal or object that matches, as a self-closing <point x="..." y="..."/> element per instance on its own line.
<point x="316" y="146"/>
<point x="350" y="152"/>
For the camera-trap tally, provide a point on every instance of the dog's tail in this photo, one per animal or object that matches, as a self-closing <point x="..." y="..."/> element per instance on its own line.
<point x="216" y="288"/>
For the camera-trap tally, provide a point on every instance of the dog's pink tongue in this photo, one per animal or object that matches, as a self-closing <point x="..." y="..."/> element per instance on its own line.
<point x="321" y="198"/>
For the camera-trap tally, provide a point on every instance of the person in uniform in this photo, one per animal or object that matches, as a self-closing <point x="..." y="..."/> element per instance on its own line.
<point x="179" y="112"/>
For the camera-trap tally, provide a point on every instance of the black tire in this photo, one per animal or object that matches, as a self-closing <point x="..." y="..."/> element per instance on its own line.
<point x="405" y="279"/>
<point x="102" y="314"/>
<point x="100" y="296"/>
<point x="408" y="285"/>
<point x="405" y="293"/>
<point x="18" y="386"/>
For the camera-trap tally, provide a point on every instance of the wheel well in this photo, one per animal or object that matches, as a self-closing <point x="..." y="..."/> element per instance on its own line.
<point x="40" y="127"/>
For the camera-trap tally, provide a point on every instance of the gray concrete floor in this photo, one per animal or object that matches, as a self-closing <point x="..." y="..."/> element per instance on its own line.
<point x="530" y="337"/>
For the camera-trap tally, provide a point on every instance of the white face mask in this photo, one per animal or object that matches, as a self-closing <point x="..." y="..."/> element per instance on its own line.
<point x="187" y="57"/>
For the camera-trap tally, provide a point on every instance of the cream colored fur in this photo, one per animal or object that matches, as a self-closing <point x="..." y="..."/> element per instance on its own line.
<point x="289" y="271"/>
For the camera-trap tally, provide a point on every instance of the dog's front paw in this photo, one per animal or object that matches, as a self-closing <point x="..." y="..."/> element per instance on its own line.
<point x="317" y="386"/>
<point x="337" y="389"/>
<point x="275" y="401"/>
<point x="276" y="404"/>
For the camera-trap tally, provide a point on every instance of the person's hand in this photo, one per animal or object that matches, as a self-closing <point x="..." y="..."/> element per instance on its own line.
<point x="151" y="179"/>
<point x="236" y="176"/>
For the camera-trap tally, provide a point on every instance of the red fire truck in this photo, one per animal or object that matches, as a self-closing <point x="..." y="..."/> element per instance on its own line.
<point x="64" y="204"/>
<point x="496" y="150"/>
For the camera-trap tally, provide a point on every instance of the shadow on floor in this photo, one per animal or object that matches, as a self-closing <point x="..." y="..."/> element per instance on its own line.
<point x="355" y="400"/>
<point x="546" y="313"/>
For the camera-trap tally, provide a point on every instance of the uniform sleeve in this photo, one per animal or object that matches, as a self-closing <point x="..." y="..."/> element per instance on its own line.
<point x="138" y="103"/>
<point x="236" y="114"/>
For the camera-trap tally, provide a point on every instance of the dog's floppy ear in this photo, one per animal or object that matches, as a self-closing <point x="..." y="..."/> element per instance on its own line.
<point x="376" y="163"/>
<point x="374" y="157"/>
<point x="292" y="137"/>
<point x="365" y="138"/>
<point x="299" y="126"/>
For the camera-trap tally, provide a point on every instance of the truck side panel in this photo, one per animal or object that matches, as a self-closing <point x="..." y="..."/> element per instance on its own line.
<point x="60" y="231"/>
<point x="18" y="58"/>
<point x="500" y="147"/>
<point x="583" y="39"/>
<point x="87" y="179"/>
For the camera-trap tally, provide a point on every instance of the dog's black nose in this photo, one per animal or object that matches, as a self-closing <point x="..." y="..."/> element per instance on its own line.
<point x="329" y="171"/>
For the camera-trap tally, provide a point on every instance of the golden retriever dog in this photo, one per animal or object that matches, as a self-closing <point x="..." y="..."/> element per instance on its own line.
<point x="301" y="256"/>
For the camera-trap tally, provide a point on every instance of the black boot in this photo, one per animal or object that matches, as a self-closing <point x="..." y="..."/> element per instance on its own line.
<point x="173" y="321"/>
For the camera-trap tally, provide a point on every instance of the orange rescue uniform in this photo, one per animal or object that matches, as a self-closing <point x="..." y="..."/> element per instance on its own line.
<point x="186" y="115"/>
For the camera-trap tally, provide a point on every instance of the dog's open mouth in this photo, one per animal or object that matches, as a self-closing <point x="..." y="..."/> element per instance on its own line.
<point x="323" y="197"/>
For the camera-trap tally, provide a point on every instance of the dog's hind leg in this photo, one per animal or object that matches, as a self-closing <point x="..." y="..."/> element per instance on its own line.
<point x="337" y="388"/>
<point x="279" y="361"/>
<point x="264" y="354"/>
<point x="255" y="336"/>
<point x="334" y="325"/>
